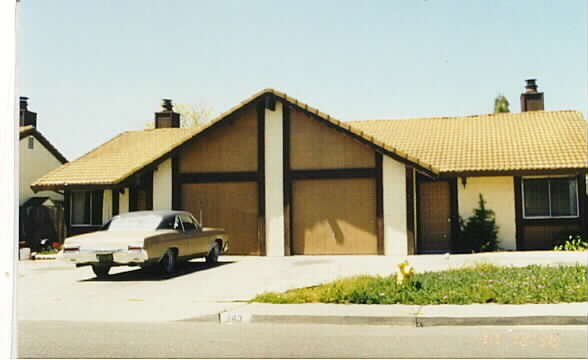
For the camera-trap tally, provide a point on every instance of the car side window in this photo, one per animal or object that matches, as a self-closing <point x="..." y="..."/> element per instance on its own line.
<point x="178" y="224"/>
<point x="189" y="225"/>
<point x="167" y="223"/>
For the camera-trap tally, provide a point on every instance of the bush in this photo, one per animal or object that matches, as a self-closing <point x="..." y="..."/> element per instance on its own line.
<point x="573" y="243"/>
<point x="479" y="232"/>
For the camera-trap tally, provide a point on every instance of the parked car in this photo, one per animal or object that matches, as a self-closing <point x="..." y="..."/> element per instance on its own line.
<point x="145" y="238"/>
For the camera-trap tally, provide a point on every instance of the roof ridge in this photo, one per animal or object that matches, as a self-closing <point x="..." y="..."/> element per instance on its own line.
<point x="497" y="115"/>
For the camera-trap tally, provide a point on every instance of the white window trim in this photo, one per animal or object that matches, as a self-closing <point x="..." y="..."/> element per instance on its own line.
<point x="549" y="197"/>
<point x="71" y="209"/>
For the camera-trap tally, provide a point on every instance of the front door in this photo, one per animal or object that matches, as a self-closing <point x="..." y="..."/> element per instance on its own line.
<point x="434" y="216"/>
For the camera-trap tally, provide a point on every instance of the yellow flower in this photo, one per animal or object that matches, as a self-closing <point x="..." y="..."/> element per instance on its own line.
<point x="406" y="271"/>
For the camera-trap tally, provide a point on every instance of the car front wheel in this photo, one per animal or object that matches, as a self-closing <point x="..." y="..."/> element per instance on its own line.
<point x="101" y="271"/>
<point x="212" y="257"/>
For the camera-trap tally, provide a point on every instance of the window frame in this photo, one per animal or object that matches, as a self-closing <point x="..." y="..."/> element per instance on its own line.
<point x="91" y="209"/>
<point x="548" y="179"/>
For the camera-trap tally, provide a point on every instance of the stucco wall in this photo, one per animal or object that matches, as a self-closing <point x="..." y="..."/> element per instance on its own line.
<point x="394" y="183"/>
<point x="35" y="163"/>
<point x="107" y="206"/>
<point x="162" y="186"/>
<point x="123" y="201"/>
<point x="274" y="182"/>
<point x="499" y="195"/>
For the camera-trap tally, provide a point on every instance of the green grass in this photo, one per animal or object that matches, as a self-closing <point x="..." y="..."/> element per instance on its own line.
<point x="533" y="284"/>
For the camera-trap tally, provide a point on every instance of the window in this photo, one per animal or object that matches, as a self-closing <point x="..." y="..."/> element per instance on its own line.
<point x="189" y="223"/>
<point x="31" y="143"/>
<point x="86" y="208"/>
<point x="553" y="197"/>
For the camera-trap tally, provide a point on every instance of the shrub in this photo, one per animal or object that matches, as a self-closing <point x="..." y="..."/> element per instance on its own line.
<point x="573" y="243"/>
<point x="480" y="231"/>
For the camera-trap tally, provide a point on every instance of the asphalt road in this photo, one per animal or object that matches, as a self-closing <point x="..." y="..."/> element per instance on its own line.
<point x="181" y="339"/>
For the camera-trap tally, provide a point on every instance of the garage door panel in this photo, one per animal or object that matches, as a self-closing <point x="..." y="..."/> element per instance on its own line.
<point x="334" y="217"/>
<point x="229" y="205"/>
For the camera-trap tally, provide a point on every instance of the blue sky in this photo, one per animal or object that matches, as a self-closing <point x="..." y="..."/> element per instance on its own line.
<point x="93" y="69"/>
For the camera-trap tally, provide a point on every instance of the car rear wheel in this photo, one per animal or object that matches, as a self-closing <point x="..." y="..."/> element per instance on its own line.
<point x="212" y="257"/>
<point x="168" y="263"/>
<point x="101" y="271"/>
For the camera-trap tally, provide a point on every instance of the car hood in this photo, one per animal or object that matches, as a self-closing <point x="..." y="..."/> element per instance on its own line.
<point x="111" y="239"/>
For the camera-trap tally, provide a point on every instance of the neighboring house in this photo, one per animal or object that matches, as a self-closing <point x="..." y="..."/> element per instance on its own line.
<point x="37" y="157"/>
<point x="284" y="178"/>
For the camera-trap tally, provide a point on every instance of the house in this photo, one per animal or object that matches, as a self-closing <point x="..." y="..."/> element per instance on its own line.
<point x="284" y="178"/>
<point x="39" y="212"/>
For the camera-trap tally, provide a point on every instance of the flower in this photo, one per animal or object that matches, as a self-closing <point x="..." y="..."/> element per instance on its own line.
<point x="540" y="287"/>
<point x="445" y="297"/>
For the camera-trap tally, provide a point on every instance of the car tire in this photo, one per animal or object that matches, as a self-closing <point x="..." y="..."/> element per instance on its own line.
<point x="168" y="262"/>
<point x="212" y="257"/>
<point x="101" y="271"/>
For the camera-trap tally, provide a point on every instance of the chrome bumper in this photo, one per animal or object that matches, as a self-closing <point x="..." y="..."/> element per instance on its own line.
<point x="90" y="256"/>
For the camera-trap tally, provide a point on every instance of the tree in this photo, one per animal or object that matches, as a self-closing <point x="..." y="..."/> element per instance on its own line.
<point x="193" y="115"/>
<point x="501" y="104"/>
<point x="480" y="231"/>
<point x="190" y="115"/>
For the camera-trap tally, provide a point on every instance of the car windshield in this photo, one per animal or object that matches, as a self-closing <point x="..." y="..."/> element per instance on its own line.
<point x="135" y="223"/>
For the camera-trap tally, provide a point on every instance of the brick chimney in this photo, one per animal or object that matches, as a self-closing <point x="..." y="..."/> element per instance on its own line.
<point x="26" y="117"/>
<point x="167" y="118"/>
<point x="531" y="99"/>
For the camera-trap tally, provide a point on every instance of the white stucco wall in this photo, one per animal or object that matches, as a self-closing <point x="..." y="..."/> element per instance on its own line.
<point x="162" y="186"/>
<point x="499" y="195"/>
<point x="123" y="201"/>
<point x="107" y="206"/>
<point x="394" y="193"/>
<point x="35" y="163"/>
<point x="274" y="181"/>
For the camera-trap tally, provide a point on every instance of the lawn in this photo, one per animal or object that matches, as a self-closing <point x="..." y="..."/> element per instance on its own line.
<point x="532" y="284"/>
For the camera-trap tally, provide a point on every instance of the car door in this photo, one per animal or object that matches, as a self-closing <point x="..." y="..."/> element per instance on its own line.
<point x="196" y="240"/>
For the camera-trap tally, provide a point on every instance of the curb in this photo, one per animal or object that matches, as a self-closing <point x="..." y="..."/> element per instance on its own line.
<point x="408" y="321"/>
<point x="416" y="319"/>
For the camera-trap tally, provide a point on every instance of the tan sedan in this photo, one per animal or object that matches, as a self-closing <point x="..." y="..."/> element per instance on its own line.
<point x="145" y="238"/>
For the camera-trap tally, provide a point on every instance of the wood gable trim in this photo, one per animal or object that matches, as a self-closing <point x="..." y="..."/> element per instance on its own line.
<point x="40" y="138"/>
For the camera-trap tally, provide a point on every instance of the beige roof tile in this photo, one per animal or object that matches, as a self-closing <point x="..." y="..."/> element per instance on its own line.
<point x="494" y="142"/>
<point x="117" y="159"/>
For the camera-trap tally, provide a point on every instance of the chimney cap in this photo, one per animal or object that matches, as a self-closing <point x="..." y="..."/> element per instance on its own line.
<point x="531" y="85"/>
<point x="24" y="101"/>
<point x="167" y="104"/>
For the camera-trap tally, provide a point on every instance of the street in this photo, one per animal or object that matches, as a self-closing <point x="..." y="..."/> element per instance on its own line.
<point x="182" y="339"/>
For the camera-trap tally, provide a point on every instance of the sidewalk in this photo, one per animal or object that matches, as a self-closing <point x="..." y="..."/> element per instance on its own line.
<point x="405" y="315"/>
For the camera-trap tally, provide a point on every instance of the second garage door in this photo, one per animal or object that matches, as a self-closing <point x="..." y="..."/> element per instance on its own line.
<point x="229" y="205"/>
<point x="334" y="217"/>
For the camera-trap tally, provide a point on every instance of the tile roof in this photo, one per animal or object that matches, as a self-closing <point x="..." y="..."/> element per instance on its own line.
<point x="536" y="140"/>
<point x="117" y="159"/>
<point x="494" y="142"/>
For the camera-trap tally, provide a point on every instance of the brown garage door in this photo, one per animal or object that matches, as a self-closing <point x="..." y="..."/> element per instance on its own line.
<point x="230" y="205"/>
<point x="334" y="217"/>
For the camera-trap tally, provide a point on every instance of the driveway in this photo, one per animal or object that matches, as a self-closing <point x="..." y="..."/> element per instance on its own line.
<point x="51" y="290"/>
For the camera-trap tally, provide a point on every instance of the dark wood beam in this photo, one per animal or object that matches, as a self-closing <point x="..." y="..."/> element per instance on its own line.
<point x="379" y="203"/>
<point x="261" y="175"/>
<point x="334" y="173"/>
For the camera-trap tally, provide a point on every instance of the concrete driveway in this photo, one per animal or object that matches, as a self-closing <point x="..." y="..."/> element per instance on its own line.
<point x="51" y="290"/>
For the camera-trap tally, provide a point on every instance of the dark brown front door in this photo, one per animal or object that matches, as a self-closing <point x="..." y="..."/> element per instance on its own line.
<point x="434" y="217"/>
